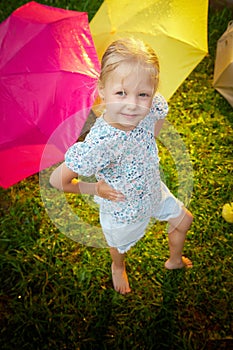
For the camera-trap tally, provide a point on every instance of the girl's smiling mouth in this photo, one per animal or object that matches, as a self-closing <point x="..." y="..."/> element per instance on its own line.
<point x="129" y="116"/>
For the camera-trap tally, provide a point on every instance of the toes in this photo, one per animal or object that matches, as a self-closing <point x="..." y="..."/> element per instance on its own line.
<point x="187" y="262"/>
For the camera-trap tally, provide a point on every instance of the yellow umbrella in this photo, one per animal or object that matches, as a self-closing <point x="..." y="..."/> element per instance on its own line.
<point x="223" y="70"/>
<point x="176" y="29"/>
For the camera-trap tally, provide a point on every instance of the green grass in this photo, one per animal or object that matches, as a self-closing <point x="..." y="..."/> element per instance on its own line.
<point x="57" y="294"/>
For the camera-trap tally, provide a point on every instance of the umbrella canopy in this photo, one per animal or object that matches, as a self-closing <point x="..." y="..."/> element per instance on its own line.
<point x="223" y="69"/>
<point x="48" y="73"/>
<point x="176" y="29"/>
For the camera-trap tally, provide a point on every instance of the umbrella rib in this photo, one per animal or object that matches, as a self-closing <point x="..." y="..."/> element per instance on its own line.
<point x="130" y="33"/>
<point x="23" y="47"/>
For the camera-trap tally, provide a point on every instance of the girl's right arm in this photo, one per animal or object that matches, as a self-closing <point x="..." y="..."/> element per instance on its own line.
<point x="65" y="180"/>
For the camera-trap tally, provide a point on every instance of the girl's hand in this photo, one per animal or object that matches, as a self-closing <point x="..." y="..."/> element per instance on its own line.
<point x="105" y="191"/>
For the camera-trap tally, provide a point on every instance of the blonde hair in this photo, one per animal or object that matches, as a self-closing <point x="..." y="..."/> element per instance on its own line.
<point x="129" y="50"/>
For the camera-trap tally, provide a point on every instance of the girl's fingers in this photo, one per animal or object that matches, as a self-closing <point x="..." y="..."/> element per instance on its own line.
<point x="114" y="196"/>
<point x="105" y="191"/>
<point x="118" y="196"/>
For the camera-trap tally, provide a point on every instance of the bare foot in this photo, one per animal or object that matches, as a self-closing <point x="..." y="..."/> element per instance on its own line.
<point x="120" y="280"/>
<point x="185" y="262"/>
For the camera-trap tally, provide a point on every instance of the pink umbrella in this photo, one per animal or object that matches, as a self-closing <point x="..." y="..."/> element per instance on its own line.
<point x="48" y="73"/>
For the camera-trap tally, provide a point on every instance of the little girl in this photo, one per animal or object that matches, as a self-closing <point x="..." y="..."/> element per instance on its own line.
<point x="121" y="151"/>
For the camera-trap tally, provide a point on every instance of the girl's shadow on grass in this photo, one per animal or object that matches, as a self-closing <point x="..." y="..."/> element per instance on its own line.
<point x="165" y="324"/>
<point x="107" y="327"/>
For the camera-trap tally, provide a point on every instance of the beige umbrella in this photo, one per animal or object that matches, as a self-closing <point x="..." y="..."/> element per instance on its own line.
<point x="223" y="70"/>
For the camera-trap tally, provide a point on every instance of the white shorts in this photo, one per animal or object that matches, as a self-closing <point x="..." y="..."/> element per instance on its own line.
<point x="124" y="236"/>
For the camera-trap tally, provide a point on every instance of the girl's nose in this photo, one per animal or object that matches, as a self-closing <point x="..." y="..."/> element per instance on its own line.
<point x="131" y="102"/>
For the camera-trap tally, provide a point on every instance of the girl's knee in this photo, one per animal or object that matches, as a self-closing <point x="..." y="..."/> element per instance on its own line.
<point x="189" y="215"/>
<point x="182" y="222"/>
<point x="187" y="219"/>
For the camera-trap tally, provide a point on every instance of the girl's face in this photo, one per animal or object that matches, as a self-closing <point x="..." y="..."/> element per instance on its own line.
<point x="127" y="94"/>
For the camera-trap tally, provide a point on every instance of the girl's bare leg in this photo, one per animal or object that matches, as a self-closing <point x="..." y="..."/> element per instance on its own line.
<point x="178" y="228"/>
<point x="119" y="275"/>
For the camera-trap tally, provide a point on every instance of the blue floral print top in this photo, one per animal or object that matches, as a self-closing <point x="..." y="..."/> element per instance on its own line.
<point x="127" y="160"/>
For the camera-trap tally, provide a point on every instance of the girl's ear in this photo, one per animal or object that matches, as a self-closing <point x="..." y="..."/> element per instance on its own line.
<point x="101" y="91"/>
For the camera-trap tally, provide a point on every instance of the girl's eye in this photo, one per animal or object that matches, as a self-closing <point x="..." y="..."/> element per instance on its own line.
<point x="143" y="94"/>
<point x="121" y="93"/>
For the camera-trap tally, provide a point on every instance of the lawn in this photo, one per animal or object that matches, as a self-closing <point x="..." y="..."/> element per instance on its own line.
<point x="56" y="293"/>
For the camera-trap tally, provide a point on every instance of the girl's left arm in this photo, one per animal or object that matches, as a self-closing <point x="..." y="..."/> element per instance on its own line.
<point x="158" y="126"/>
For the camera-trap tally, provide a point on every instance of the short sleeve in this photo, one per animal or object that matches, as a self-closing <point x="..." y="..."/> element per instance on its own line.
<point x="159" y="108"/>
<point x="92" y="155"/>
<point x="85" y="160"/>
